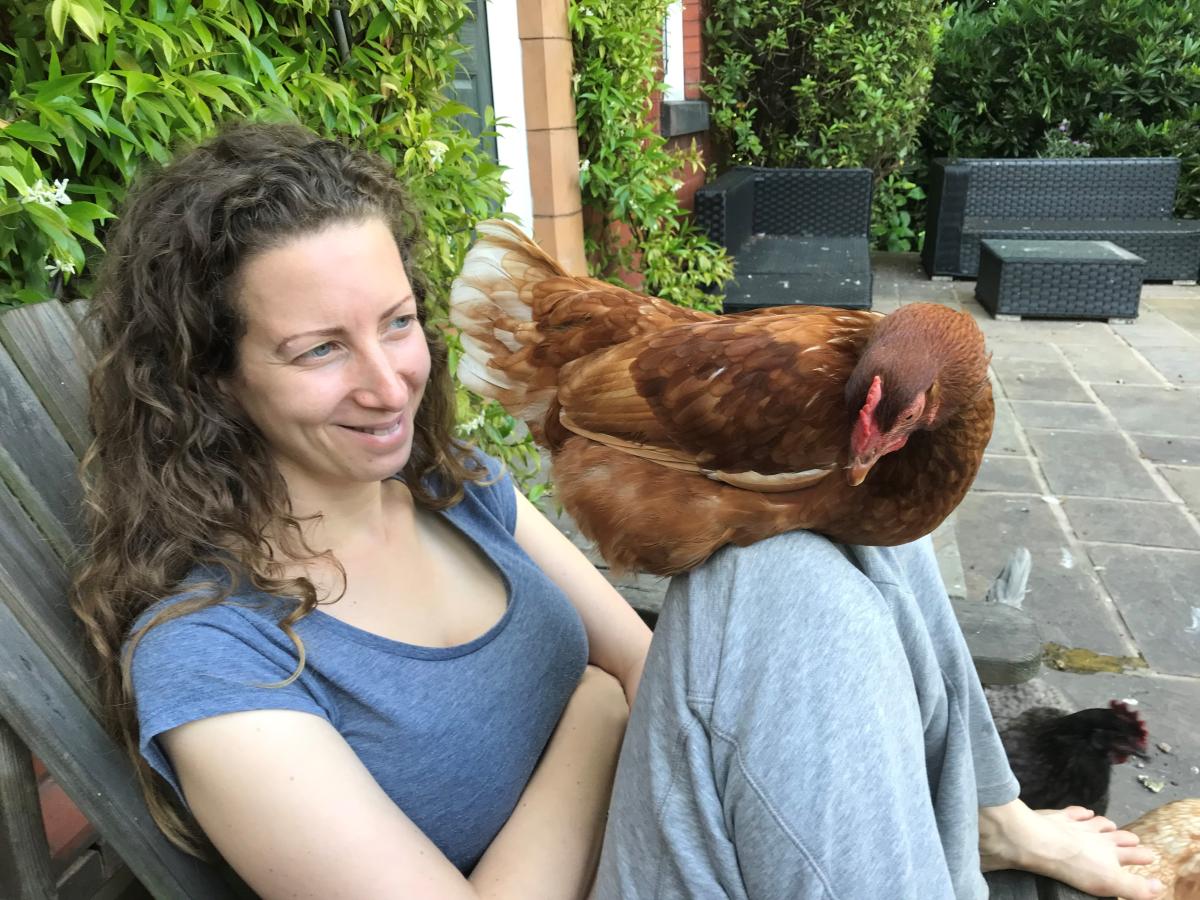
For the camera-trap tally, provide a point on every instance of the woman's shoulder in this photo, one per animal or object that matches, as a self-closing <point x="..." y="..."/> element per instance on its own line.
<point x="494" y="495"/>
<point x="189" y="616"/>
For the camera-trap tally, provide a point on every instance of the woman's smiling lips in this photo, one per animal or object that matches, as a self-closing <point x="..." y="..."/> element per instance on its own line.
<point x="380" y="435"/>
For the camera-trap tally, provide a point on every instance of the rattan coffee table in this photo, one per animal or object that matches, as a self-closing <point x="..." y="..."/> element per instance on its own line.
<point x="1059" y="279"/>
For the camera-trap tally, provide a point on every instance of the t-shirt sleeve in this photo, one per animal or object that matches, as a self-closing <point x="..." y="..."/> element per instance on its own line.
<point x="207" y="664"/>
<point x="498" y="493"/>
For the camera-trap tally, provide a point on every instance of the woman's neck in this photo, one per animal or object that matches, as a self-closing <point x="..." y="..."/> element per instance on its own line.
<point x="348" y="518"/>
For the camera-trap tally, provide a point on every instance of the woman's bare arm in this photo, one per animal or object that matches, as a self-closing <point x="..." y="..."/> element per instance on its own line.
<point x="291" y="807"/>
<point x="617" y="638"/>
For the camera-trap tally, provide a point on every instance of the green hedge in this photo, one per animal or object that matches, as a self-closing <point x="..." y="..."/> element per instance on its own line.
<point x="1121" y="78"/>
<point x="824" y="83"/>
<point x="97" y="88"/>
<point x="628" y="176"/>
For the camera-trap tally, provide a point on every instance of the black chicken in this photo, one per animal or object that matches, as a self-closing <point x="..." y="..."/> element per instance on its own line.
<point x="1063" y="758"/>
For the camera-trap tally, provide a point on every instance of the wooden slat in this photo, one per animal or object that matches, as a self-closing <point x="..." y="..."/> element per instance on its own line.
<point x="32" y="443"/>
<point x="1013" y="885"/>
<point x="33" y="586"/>
<point x="25" y="871"/>
<point x="43" y="709"/>
<point x="88" y="332"/>
<point x="44" y="341"/>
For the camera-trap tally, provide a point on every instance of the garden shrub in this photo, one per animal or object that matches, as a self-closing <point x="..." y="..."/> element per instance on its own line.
<point x="95" y="88"/>
<point x="1029" y="77"/>
<point x="628" y="176"/>
<point x="822" y="83"/>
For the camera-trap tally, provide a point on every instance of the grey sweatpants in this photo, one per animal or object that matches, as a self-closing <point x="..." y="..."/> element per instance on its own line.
<point x="809" y="726"/>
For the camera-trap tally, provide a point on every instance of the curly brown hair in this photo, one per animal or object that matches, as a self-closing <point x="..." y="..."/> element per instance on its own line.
<point x="176" y="476"/>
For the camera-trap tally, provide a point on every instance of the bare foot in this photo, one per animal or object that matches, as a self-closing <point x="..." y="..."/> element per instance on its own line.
<point x="1072" y="845"/>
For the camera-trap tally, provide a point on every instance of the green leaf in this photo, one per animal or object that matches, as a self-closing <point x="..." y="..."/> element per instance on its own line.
<point x="15" y="178"/>
<point x="57" y="17"/>
<point x="88" y="15"/>
<point x="27" y="131"/>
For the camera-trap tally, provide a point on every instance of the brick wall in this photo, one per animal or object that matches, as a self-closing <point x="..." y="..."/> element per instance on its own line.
<point x="693" y="56"/>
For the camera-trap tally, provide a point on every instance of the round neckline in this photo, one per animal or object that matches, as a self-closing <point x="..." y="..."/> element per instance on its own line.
<point x="421" y="651"/>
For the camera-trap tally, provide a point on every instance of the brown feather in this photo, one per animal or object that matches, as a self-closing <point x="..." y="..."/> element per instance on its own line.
<point x="673" y="432"/>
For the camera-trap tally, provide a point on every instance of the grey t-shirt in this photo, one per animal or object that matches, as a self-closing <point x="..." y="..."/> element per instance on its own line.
<point x="452" y="734"/>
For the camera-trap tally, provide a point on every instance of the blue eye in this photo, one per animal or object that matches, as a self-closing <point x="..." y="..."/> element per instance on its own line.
<point x="401" y="322"/>
<point x="318" y="352"/>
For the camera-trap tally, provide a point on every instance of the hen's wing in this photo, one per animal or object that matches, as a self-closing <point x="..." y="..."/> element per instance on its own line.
<point x="520" y="317"/>
<point x="757" y="401"/>
<point x="1008" y="702"/>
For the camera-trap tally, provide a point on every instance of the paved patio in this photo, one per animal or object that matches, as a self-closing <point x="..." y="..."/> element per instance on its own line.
<point x="1094" y="465"/>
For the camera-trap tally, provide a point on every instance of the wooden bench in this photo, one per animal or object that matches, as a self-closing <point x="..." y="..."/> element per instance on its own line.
<point x="1126" y="201"/>
<point x="48" y="706"/>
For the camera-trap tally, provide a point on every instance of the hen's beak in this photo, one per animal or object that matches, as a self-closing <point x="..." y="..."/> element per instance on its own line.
<point x="858" y="469"/>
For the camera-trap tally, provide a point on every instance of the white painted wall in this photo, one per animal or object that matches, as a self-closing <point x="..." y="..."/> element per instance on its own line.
<point x="508" y="98"/>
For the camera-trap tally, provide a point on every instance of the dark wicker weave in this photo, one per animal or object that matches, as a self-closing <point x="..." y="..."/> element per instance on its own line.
<point x="798" y="236"/>
<point x="1126" y="201"/>
<point x="1059" y="279"/>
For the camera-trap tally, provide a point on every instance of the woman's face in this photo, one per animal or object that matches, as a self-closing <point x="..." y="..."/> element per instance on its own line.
<point x="333" y="362"/>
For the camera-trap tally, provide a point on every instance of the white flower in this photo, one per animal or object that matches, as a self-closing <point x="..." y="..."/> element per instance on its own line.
<point x="584" y="165"/>
<point x="472" y="425"/>
<point x="65" y="266"/>
<point x="47" y="195"/>
<point x="437" y="152"/>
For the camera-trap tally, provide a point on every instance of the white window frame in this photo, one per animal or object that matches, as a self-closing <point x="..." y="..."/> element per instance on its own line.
<point x="672" y="52"/>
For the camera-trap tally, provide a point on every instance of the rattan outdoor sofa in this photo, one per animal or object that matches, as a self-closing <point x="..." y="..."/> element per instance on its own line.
<point x="1126" y="201"/>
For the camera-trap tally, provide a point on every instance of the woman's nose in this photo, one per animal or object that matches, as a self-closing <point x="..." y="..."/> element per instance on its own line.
<point x="380" y="383"/>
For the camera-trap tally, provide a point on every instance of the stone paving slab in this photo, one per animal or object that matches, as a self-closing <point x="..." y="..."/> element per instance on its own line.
<point x="1026" y="379"/>
<point x="1178" y="365"/>
<point x="1116" y="365"/>
<point x="1155" y="591"/>
<point x="1186" y="481"/>
<point x="1168" y="705"/>
<point x="1002" y="348"/>
<point x="1091" y="334"/>
<point x="1180" y="451"/>
<point x="1147" y="410"/>
<point x="1062" y="416"/>
<point x="1064" y="598"/>
<point x="1131" y="522"/>
<point x="1181" y="308"/>
<point x="1155" y="329"/>
<point x="1005" y="439"/>
<point x="1092" y="464"/>
<point x="1011" y="474"/>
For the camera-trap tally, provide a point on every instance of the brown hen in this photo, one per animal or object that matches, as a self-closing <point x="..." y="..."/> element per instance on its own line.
<point x="1173" y="832"/>
<point x="673" y="432"/>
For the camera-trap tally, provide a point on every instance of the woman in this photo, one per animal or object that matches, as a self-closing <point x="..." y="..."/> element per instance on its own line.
<point x="366" y="667"/>
<point x="265" y="374"/>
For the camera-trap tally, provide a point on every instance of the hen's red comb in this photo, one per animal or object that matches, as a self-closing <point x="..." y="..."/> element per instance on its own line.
<point x="1123" y="708"/>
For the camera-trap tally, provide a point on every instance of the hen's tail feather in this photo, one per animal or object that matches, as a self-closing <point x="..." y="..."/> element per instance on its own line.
<point x="521" y="318"/>
<point x="491" y="303"/>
